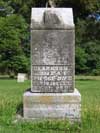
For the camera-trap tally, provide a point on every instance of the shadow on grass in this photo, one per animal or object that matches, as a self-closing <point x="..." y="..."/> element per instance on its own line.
<point x="85" y="79"/>
<point x="20" y="106"/>
<point x="6" y="78"/>
<point x="20" y="109"/>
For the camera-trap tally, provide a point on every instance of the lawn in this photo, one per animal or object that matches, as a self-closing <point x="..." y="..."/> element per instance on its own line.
<point x="11" y="94"/>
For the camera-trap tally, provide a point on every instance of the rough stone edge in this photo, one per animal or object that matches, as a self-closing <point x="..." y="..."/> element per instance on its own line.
<point x="76" y="92"/>
<point x="20" y="118"/>
<point x="69" y="119"/>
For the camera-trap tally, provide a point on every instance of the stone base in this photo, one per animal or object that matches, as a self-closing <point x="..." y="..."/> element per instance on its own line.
<point x="52" y="105"/>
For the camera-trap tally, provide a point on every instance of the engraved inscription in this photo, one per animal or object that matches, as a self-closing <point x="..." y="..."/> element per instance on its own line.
<point x="52" y="78"/>
<point x="52" y="59"/>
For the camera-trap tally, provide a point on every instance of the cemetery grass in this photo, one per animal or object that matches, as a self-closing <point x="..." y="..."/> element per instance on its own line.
<point x="11" y="94"/>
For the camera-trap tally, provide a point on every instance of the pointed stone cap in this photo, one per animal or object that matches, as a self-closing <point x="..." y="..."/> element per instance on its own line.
<point x="52" y="18"/>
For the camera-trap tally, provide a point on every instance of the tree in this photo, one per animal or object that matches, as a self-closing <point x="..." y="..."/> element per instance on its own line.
<point x="87" y="43"/>
<point x="92" y="48"/>
<point x="81" y="60"/>
<point x="5" y="8"/>
<point x="13" y="32"/>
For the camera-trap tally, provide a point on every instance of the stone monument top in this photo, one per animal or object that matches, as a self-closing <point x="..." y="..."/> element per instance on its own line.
<point x="51" y="18"/>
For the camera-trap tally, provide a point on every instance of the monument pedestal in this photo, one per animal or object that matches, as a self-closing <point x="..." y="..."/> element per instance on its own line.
<point x="52" y="105"/>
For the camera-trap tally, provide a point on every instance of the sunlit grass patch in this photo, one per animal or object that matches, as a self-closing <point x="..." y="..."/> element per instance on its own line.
<point x="11" y="96"/>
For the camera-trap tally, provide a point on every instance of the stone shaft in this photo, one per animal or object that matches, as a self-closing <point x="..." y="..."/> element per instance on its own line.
<point x="52" y="52"/>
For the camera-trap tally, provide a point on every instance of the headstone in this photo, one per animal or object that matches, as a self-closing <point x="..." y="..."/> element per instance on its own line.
<point x="52" y="66"/>
<point x="21" y="77"/>
<point x="52" y="50"/>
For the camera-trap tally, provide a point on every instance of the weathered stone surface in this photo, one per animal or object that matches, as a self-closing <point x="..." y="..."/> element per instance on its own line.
<point x="52" y="47"/>
<point x="63" y="17"/>
<point x="52" y="105"/>
<point x="52" y="61"/>
<point x="52" y="52"/>
<point x="51" y="18"/>
<point x="52" y="92"/>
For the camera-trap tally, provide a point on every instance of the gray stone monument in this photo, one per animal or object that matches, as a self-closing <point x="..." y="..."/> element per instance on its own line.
<point x="52" y="92"/>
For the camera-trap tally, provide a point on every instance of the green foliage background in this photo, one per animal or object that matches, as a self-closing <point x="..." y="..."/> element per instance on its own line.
<point x="15" y="34"/>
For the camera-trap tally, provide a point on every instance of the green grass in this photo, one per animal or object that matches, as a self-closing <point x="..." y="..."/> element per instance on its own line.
<point x="90" y="91"/>
<point x="11" y="94"/>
